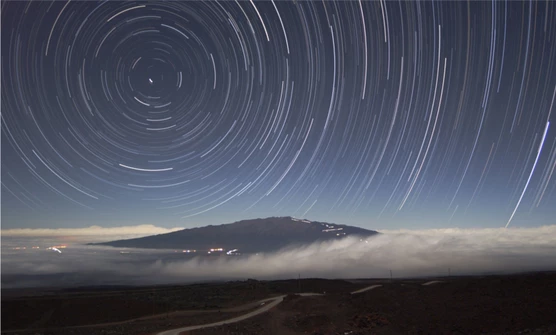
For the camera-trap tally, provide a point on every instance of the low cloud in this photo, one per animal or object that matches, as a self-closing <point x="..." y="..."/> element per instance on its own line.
<point x="406" y="252"/>
<point x="140" y="230"/>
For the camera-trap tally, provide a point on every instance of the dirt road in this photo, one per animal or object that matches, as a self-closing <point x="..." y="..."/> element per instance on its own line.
<point x="267" y="304"/>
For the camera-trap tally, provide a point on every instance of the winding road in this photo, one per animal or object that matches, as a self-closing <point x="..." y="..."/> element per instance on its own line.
<point x="432" y="282"/>
<point x="268" y="304"/>
<point x="366" y="289"/>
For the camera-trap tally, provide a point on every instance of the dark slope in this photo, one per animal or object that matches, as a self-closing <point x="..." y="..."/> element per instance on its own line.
<point x="248" y="236"/>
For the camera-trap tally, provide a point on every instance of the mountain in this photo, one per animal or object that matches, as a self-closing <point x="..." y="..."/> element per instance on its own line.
<point x="247" y="236"/>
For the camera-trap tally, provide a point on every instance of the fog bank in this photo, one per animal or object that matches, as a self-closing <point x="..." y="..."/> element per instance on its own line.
<point x="407" y="253"/>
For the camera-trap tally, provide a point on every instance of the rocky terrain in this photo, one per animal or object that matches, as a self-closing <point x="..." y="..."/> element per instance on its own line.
<point x="512" y="304"/>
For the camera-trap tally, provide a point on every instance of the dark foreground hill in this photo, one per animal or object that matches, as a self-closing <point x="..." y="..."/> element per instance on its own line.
<point x="247" y="236"/>
<point x="491" y="305"/>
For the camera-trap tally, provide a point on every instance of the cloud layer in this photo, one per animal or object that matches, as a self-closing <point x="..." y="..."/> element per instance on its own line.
<point x="140" y="230"/>
<point x="406" y="253"/>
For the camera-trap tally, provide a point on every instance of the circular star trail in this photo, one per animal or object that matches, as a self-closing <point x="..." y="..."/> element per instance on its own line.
<point x="373" y="113"/>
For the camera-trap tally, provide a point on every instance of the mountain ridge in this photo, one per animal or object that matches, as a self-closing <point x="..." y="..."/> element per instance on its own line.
<point x="245" y="236"/>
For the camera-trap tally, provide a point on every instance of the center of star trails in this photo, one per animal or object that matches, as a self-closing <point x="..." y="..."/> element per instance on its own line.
<point x="146" y="170"/>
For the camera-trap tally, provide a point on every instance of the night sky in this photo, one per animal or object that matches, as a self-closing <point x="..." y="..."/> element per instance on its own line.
<point x="377" y="114"/>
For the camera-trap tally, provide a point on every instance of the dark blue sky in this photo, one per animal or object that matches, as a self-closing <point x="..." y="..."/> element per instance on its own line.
<point x="378" y="114"/>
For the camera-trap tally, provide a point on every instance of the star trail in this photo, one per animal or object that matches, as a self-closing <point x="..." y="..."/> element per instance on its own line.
<point x="381" y="114"/>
